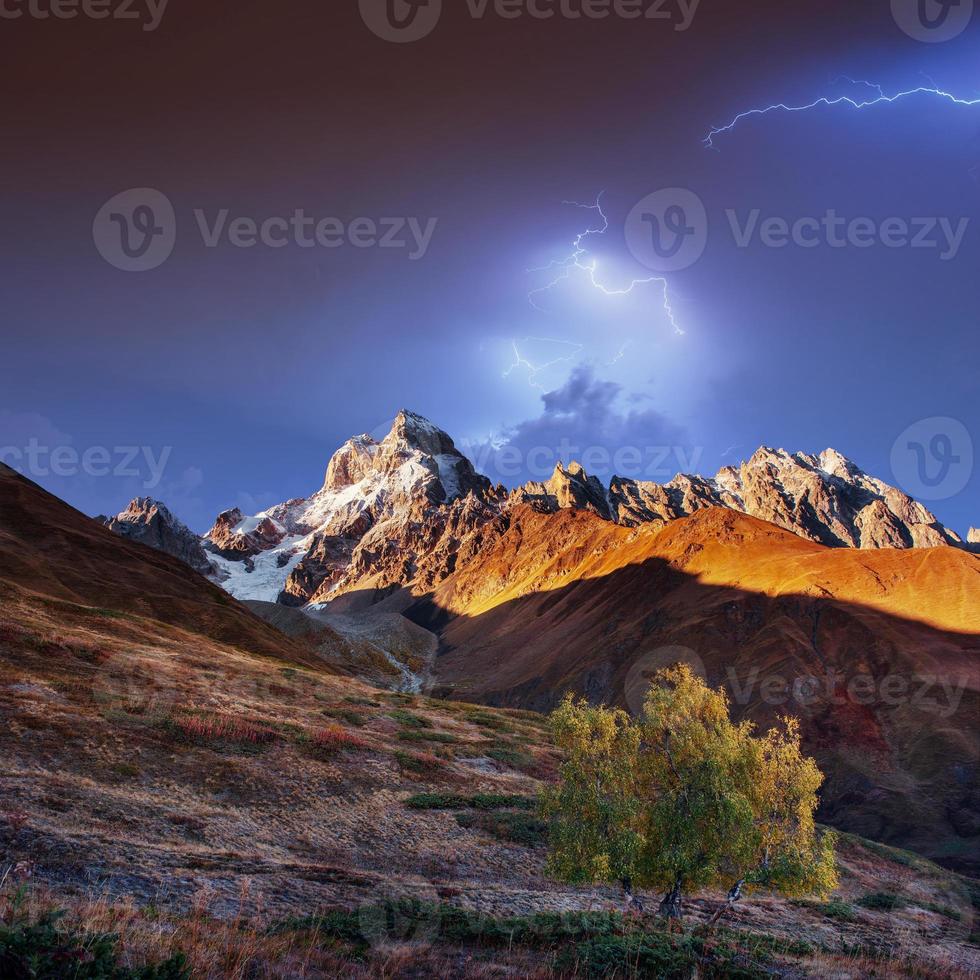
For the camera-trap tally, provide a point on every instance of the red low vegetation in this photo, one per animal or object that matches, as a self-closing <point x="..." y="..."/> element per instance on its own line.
<point x="222" y="728"/>
<point x="334" y="737"/>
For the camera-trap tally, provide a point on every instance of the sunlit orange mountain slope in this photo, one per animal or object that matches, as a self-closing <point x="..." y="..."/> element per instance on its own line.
<point x="883" y="647"/>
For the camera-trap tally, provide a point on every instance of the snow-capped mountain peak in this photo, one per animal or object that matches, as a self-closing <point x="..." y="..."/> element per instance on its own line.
<point x="289" y="551"/>
<point x="405" y="509"/>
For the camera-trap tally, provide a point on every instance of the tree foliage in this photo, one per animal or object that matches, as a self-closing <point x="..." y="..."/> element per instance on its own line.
<point x="683" y="798"/>
<point x="594" y="811"/>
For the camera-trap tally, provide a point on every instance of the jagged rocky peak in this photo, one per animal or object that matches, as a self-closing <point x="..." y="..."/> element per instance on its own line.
<point x="413" y="432"/>
<point x="636" y="502"/>
<point x="973" y="536"/>
<point x="378" y="513"/>
<point x="826" y="498"/>
<point x="237" y="536"/>
<point x="836" y="464"/>
<point x="569" y="488"/>
<point x="418" y="452"/>
<point x="351" y="463"/>
<point x="149" y="522"/>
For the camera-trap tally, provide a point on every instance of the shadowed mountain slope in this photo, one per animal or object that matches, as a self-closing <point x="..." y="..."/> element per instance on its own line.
<point x="878" y="652"/>
<point x="51" y="552"/>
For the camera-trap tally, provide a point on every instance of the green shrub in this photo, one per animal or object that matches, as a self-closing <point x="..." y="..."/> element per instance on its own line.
<point x="364" y="702"/>
<point x="482" y="801"/>
<point x="943" y="910"/>
<point x="43" y="950"/>
<point x="399" y="697"/>
<point x="640" y="955"/>
<point x="444" y="738"/>
<point x="337" y="925"/>
<point x="893" y="854"/>
<point x="665" y="957"/>
<point x="422" y="764"/>
<point x="509" y="756"/>
<point x="882" y="901"/>
<point x="841" y="911"/>
<point x="518" y="828"/>
<point x="407" y="917"/>
<point x="344" y="714"/>
<point x="409" y="720"/>
<point x="492" y="722"/>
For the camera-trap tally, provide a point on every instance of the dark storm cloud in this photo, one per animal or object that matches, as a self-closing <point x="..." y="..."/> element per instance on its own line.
<point x="583" y="421"/>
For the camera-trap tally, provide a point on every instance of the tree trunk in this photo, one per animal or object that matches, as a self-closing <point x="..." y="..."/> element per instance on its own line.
<point x="734" y="894"/>
<point x="633" y="904"/>
<point x="670" y="906"/>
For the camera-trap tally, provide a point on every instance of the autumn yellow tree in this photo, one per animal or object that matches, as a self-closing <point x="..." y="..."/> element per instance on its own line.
<point x="594" y="811"/>
<point x="683" y="799"/>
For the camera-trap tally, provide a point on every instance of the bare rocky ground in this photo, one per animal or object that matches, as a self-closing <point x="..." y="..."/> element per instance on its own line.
<point x="190" y="794"/>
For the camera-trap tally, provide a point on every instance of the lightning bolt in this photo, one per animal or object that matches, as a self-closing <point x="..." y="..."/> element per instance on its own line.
<point x="578" y="261"/>
<point x="533" y="370"/>
<point x="621" y="353"/>
<point x="877" y="96"/>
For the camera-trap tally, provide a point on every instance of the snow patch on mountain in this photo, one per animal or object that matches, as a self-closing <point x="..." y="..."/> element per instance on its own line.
<point x="263" y="576"/>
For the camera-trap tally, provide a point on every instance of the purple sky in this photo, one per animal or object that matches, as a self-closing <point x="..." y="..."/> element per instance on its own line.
<point x="239" y="370"/>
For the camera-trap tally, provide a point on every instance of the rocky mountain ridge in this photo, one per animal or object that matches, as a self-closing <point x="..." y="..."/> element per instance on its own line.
<point x="824" y="498"/>
<point x="409" y="509"/>
<point x="388" y="512"/>
<point x="151" y="523"/>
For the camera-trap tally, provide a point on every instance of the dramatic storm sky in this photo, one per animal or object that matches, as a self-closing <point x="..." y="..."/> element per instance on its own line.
<point x="242" y="369"/>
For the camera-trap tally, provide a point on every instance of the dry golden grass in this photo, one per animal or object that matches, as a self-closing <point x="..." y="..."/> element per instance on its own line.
<point x="185" y="793"/>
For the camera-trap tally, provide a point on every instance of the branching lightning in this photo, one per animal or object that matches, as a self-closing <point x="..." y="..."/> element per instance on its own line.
<point x="579" y="260"/>
<point x="533" y="370"/>
<point x="877" y="96"/>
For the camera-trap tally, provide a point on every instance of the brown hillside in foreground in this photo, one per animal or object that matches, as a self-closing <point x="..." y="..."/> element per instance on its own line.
<point x="190" y="795"/>
<point x="50" y="550"/>
<point x="570" y="602"/>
